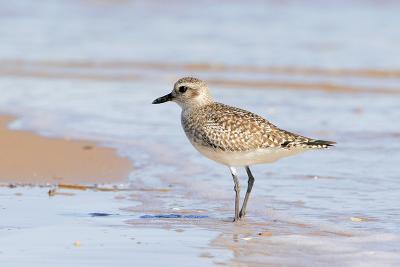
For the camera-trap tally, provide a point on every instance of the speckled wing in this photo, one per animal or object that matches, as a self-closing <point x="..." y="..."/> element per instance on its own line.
<point x="228" y="128"/>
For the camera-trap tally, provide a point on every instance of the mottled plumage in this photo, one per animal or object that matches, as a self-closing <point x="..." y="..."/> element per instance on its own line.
<point x="232" y="136"/>
<point x="232" y="129"/>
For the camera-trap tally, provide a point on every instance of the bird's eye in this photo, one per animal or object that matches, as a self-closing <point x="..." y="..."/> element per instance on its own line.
<point x="183" y="89"/>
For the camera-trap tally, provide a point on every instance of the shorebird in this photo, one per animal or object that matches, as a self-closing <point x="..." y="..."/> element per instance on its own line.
<point x="232" y="136"/>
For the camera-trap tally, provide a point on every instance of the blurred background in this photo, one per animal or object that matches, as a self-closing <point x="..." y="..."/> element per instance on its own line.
<point x="326" y="69"/>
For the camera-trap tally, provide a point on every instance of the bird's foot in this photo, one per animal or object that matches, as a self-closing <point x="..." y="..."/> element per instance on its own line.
<point x="239" y="218"/>
<point x="242" y="215"/>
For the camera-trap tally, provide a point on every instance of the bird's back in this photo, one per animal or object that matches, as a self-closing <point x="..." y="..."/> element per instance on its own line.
<point x="225" y="128"/>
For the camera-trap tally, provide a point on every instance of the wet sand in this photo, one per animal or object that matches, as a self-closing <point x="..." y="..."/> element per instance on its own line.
<point x="198" y="67"/>
<point x="271" y="77"/>
<point x="31" y="159"/>
<point x="309" y="68"/>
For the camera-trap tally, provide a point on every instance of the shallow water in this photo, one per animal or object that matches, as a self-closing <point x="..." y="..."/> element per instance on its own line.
<point x="89" y="70"/>
<point x="60" y="231"/>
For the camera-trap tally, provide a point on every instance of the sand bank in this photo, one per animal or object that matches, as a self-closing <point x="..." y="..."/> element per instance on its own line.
<point x="324" y="79"/>
<point x="200" y="67"/>
<point x="32" y="159"/>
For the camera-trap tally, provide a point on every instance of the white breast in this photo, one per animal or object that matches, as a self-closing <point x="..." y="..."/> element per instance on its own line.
<point x="246" y="158"/>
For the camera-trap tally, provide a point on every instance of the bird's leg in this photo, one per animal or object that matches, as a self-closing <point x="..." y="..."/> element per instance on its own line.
<point x="250" y="183"/>
<point x="237" y="191"/>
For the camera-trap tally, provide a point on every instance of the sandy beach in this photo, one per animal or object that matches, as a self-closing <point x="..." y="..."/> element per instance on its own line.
<point x="27" y="158"/>
<point x="93" y="174"/>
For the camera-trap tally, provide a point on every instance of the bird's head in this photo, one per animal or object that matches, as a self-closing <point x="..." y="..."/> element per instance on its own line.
<point x="188" y="92"/>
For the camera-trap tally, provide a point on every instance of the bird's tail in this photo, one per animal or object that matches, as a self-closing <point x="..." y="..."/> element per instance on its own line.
<point x="319" y="143"/>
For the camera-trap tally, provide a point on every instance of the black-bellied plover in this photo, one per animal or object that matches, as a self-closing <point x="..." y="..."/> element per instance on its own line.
<point x="231" y="136"/>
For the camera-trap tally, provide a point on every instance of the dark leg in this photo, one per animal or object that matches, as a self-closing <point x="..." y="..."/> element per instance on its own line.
<point x="249" y="187"/>
<point x="237" y="191"/>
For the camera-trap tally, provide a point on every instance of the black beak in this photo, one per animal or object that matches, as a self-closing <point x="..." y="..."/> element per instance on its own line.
<point x="163" y="99"/>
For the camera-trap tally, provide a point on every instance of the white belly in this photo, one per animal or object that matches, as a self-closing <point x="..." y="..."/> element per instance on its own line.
<point x="246" y="158"/>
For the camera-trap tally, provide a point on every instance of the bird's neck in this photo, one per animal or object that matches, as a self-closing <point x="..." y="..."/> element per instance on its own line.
<point x="196" y="103"/>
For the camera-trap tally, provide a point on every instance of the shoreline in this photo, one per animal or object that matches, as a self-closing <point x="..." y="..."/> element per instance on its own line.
<point x="328" y="80"/>
<point x="28" y="158"/>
